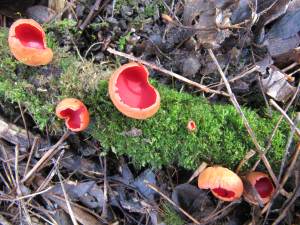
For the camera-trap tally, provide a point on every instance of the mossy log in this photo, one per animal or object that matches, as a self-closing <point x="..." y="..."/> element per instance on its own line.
<point x="220" y="137"/>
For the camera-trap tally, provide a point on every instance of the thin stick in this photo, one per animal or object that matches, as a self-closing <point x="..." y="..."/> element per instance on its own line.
<point x="167" y="72"/>
<point x="289" y="142"/>
<point x="245" y="121"/>
<point x="67" y="199"/>
<point x="34" y="194"/>
<point x="90" y="16"/>
<point x="46" y="156"/>
<point x="35" y="141"/>
<point x="289" y="201"/>
<point x="288" y="119"/>
<point x="171" y="202"/>
<point x="243" y="74"/>
<point x="104" y="208"/>
<point x="286" y="176"/>
<point x="198" y="171"/>
<point x="277" y="126"/>
<point x="25" y="124"/>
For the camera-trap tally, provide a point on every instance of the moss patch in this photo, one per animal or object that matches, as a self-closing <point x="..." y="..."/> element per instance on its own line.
<point x="221" y="137"/>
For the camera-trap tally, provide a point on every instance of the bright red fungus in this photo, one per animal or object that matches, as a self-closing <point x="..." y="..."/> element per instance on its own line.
<point x="30" y="36"/>
<point x="75" y="114"/>
<point x="131" y="92"/>
<point x="191" y="126"/>
<point x="223" y="192"/>
<point x="133" y="88"/>
<point x="263" y="185"/>
<point x="223" y="183"/>
<point x="27" y="42"/>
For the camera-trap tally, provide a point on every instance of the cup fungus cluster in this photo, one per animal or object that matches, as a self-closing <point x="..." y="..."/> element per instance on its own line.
<point x="75" y="114"/>
<point x="133" y="95"/>
<point x="228" y="186"/>
<point x="27" y="42"/>
<point x="131" y="92"/>
<point x="263" y="186"/>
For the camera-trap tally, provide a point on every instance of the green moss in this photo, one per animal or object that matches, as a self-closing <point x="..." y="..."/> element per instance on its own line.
<point x="170" y="216"/>
<point x="221" y="137"/>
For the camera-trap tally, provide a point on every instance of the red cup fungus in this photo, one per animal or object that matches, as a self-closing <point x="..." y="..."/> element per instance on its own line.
<point x="223" y="183"/>
<point x="27" y="42"/>
<point x="131" y="92"/>
<point x="263" y="185"/>
<point x="191" y="126"/>
<point x="75" y="114"/>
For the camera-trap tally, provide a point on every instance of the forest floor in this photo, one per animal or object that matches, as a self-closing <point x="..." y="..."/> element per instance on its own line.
<point x="232" y="67"/>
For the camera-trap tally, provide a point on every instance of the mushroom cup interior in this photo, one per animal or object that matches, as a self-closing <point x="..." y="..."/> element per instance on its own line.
<point x="192" y="125"/>
<point x="73" y="117"/>
<point x="134" y="89"/>
<point x="29" y="36"/>
<point x="222" y="192"/>
<point x="264" y="187"/>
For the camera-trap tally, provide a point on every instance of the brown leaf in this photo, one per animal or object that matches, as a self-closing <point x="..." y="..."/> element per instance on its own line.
<point x="207" y="16"/>
<point x="276" y="85"/>
<point x="81" y="215"/>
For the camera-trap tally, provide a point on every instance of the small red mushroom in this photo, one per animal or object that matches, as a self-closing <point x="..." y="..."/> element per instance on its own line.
<point x="74" y="112"/>
<point x="27" y="42"/>
<point x="223" y="183"/>
<point x="131" y="92"/>
<point x="263" y="185"/>
<point x="191" y="126"/>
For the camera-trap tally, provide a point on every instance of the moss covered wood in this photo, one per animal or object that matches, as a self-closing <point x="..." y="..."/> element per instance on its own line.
<point x="220" y="138"/>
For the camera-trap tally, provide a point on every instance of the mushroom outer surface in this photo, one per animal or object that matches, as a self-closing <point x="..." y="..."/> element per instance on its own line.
<point x="263" y="185"/>
<point x="224" y="184"/>
<point x="75" y="114"/>
<point x="131" y="92"/>
<point x="27" y="42"/>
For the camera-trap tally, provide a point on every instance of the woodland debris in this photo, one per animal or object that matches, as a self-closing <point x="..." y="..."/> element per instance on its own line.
<point x="17" y="135"/>
<point x="277" y="86"/>
<point x="209" y="15"/>
<point x="283" y="36"/>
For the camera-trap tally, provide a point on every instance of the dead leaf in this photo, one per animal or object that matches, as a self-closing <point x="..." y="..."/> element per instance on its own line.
<point x="82" y="216"/>
<point x="276" y="85"/>
<point x="207" y="16"/>
<point x="283" y="36"/>
<point x="139" y="183"/>
<point x="17" y="135"/>
<point x="271" y="13"/>
<point x="193" y="200"/>
<point x="88" y="193"/>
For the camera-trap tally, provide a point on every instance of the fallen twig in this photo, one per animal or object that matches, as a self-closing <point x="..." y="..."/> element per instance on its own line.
<point x="290" y="201"/>
<point x="245" y="121"/>
<point x="70" y="210"/>
<point x="277" y="126"/>
<point x="153" y="187"/>
<point x="46" y="156"/>
<point x="285" y="178"/>
<point x="167" y="72"/>
<point x="288" y="119"/>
